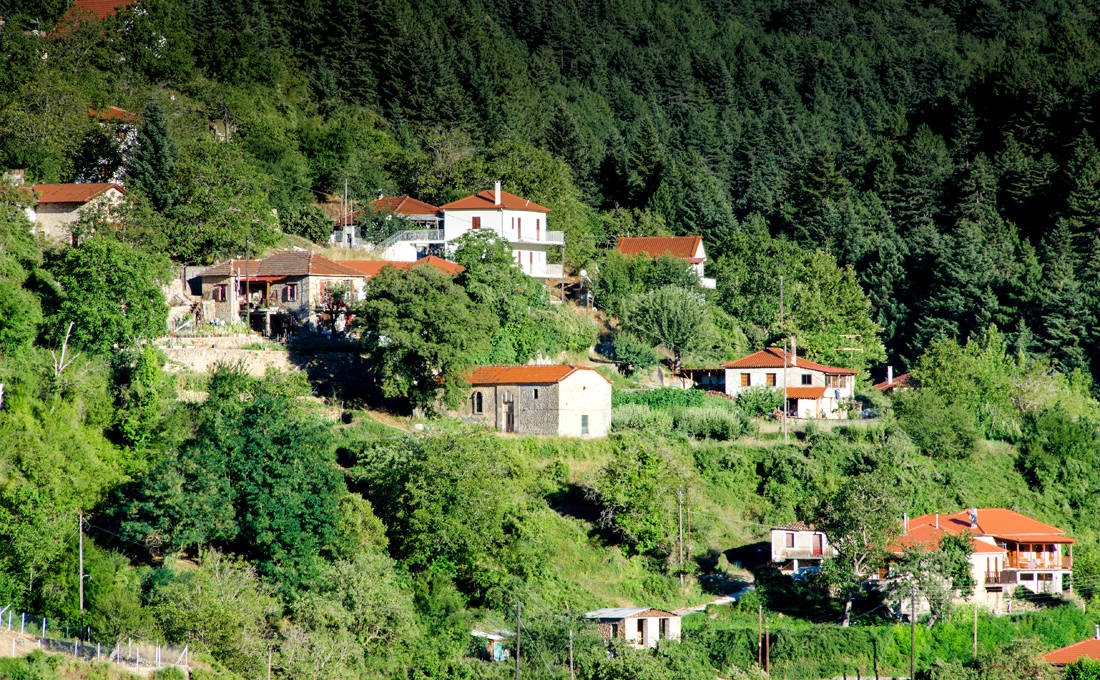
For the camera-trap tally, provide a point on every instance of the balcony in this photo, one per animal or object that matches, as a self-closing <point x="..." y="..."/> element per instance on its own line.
<point x="418" y="235"/>
<point x="548" y="238"/>
<point x="553" y="271"/>
<point x="1046" y="562"/>
<point x="799" y="554"/>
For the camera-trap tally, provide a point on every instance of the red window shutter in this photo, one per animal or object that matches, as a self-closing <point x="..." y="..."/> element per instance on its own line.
<point x="477" y="223"/>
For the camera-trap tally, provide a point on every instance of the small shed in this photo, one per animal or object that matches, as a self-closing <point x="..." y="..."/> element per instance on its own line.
<point x="495" y="650"/>
<point x="638" y="626"/>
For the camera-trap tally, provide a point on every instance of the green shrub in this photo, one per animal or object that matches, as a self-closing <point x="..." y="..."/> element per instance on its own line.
<point x="662" y="398"/>
<point x="939" y="429"/>
<point x="759" y="401"/>
<point x="710" y="423"/>
<point x="634" y="354"/>
<point x="640" y="417"/>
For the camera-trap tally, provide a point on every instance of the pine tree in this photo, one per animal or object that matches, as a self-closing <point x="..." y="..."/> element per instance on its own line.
<point x="153" y="161"/>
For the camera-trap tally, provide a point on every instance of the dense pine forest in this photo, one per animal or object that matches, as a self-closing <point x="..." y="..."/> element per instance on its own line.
<point x="925" y="177"/>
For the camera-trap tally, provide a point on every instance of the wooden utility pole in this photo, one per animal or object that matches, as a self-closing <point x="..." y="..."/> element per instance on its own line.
<point x="759" y="635"/>
<point x="912" y="632"/>
<point x="80" y="532"/>
<point x="519" y="608"/>
<point x="767" y="650"/>
<point x="572" y="674"/>
<point x="680" y="530"/>
<point x="975" y="628"/>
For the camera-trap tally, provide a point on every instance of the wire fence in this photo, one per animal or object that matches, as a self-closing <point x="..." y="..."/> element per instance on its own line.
<point x="30" y="631"/>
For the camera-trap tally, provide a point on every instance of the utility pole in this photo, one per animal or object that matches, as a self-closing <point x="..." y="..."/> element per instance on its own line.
<point x="680" y="531"/>
<point x="975" y="628"/>
<point x="80" y="532"/>
<point x="518" y="610"/>
<point x="912" y="632"/>
<point x="767" y="650"/>
<point x="572" y="675"/>
<point x="759" y="634"/>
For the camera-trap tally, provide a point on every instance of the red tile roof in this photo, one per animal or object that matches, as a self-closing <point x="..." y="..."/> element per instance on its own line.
<point x="525" y="375"/>
<point x="899" y="381"/>
<point x="371" y="267"/>
<point x="484" y="200"/>
<point x="1085" y="649"/>
<point x="772" y="357"/>
<point x="101" y="8"/>
<point x="927" y="530"/>
<point x="404" y="205"/>
<point x="683" y="247"/>
<point x="284" y="263"/>
<point x="805" y="392"/>
<point x="114" y="113"/>
<point x="71" y="193"/>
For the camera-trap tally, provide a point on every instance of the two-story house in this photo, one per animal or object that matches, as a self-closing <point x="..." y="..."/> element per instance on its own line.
<point x="519" y="221"/>
<point x="1009" y="550"/>
<point x="813" y="390"/>
<point x="687" y="248"/>
<point x="797" y="546"/>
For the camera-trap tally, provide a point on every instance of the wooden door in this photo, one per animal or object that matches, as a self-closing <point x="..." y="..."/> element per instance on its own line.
<point x="509" y="416"/>
<point x="817" y="545"/>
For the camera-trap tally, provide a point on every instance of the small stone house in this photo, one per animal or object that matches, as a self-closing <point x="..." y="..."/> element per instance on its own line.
<point x="639" y="626"/>
<point x="292" y="283"/>
<point x="58" y="206"/>
<point x="797" y="545"/>
<point x="564" y="400"/>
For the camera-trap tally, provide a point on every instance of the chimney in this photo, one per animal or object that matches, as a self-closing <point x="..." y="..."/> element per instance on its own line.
<point x="496" y="194"/>
<point x="794" y="352"/>
<point x="973" y="518"/>
<point x="889" y="375"/>
<point x="937" y="520"/>
<point x="905" y="524"/>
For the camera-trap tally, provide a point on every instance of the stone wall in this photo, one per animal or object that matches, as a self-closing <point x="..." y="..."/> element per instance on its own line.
<point x="202" y="359"/>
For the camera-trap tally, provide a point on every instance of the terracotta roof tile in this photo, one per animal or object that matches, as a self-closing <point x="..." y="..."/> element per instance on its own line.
<point x="805" y="392"/>
<point x="284" y="263"/>
<point x="772" y="357"/>
<point x="484" y="200"/>
<point x="404" y="205"/>
<point x="683" y="247"/>
<point x="114" y="113"/>
<point x="928" y="530"/>
<point x="899" y="381"/>
<point x="1085" y="649"/>
<point x="101" y="8"/>
<point x="371" y="267"/>
<point x="71" y="193"/>
<point x="524" y="375"/>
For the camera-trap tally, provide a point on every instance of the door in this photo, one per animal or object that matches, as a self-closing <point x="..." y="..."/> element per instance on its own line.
<point x="817" y="544"/>
<point x="509" y="414"/>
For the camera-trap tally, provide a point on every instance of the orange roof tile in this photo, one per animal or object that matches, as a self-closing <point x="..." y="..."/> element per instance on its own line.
<point x="772" y="357"/>
<point x="403" y="205"/>
<point x="101" y="8"/>
<point x="525" y="375"/>
<point x="372" y="267"/>
<point x="1085" y="649"/>
<point x="899" y="381"/>
<point x="927" y="530"/>
<point x="114" y="113"/>
<point x="805" y="392"/>
<point x="683" y="247"/>
<point x="484" y="200"/>
<point x="72" y="193"/>
<point x="284" y="263"/>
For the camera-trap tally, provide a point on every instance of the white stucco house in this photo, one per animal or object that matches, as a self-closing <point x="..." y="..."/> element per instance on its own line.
<point x="798" y="545"/>
<point x="687" y="248"/>
<point x="420" y="216"/>
<point x="519" y="221"/>
<point x="813" y="390"/>
<point x="58" y="206"/>
<point x="639" y="627"/>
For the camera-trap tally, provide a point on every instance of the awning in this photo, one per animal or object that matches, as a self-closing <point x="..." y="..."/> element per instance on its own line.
<point x="261" y="279"/>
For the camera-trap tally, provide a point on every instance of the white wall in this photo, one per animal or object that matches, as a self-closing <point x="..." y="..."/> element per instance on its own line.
<point x="524" y="229"/>
<point x="585" y="392"/>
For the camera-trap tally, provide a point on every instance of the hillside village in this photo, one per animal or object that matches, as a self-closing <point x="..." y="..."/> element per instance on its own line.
<point x="463" y="352"/>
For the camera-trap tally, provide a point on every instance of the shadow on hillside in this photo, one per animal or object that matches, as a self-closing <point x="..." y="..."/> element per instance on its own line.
<point x="571" y="501"/>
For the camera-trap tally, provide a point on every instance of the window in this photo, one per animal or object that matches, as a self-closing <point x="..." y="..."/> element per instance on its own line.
<point x="538" y="226"/>
<point x="531" y="259"/>
<point x="219" y="292"/>
<point x="536" y="392"/>
<point x="769" y="379"/>
<point x="477" y="223"/>
<point x="641" y="628"/>
<point x="807" y="379"/>
<point x="745" y="381"/>
<point x="519" y="225"/>
<point x="790" y="540"/>
<point x="476" y="403"/>
<point x="291" y="292"/>
<point x="1027" y="577"/>
<point x="584" y="424"/>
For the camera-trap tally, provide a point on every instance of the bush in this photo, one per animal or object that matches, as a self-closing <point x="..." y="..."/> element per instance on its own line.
<point x="759" y="401"/>
<point x="711" y="423"/>
<point x="640" y="417"/>
<point x="633" y="353"/>
<point x="662" y="398"/>
<point x="939" y="429"/>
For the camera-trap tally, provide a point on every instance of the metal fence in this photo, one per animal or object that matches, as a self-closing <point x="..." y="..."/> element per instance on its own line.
<point x="29" y="632"/>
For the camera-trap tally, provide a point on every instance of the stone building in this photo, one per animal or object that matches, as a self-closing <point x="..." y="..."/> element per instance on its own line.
<point x="638" y="626"/>
<point x="561" y="400"/>
<point x="58" y="206"/>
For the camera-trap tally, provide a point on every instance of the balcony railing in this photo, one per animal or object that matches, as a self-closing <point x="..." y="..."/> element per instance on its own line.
<point x="800" y="553"/>
<point x="553" y="271"/>
<point x="413" y="235"/>
<point x="1046" y="562"/>
<point x="553" y="238"/>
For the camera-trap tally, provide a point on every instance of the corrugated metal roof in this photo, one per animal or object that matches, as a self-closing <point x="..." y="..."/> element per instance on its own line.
<point x="625" y="612"/>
